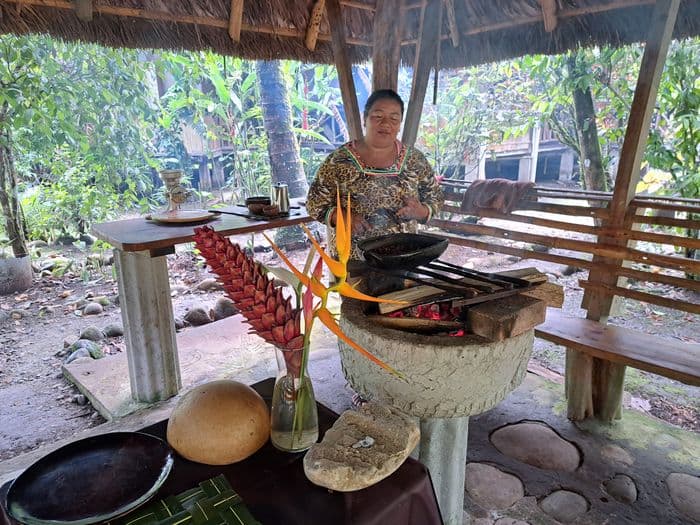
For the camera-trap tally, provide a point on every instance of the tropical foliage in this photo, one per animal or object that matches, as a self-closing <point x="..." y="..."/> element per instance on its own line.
<point x="78" y="147"/>
<point x="84" y="129"/>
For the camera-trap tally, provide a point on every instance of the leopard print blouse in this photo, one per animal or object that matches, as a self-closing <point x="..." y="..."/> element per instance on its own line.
<point x="375" y="193"/>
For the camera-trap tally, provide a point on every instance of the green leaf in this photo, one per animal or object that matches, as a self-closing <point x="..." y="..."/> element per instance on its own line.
<point x="284" y="275"/>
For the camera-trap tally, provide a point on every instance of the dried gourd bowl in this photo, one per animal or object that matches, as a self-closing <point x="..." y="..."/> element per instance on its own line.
<point x="257" y="203"/>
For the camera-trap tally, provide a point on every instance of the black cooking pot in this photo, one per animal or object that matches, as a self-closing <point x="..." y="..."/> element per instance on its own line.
<point x="402" y="250"/>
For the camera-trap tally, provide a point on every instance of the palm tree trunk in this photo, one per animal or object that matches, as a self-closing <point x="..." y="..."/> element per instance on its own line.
<point x="9" y="201"/>
<point x="282" y="146"/>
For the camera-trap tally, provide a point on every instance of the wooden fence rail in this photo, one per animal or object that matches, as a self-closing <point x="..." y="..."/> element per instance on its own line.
<point x="576" y="231"/>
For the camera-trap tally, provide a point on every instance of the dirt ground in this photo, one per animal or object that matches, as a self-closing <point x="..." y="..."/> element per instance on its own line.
<point x="37" y="405"/>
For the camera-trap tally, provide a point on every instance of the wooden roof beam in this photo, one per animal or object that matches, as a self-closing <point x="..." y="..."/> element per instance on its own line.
<point x="565" y="13"/>
<point x="235" y="20"/>
<point x="549" y="14"/>
<point x="344" y="68"/>
<point x="357" y="5"/>
<point x="653" y="60"/>
<point x="386" y="51"/>
<point x="83" y="10"/>
<point x="147" y="14"/>
<point x="426" y="56"/>
<point x="314" y="25"/>
<point x="452" y="22"/>
<point x="163" y="16"/>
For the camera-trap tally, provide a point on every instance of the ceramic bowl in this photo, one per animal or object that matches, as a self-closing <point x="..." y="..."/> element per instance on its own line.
<point x="257" y="203"/>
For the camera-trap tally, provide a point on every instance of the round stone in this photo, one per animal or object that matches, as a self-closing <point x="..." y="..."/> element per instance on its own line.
<point x="615" y="454"/>
<point x="197" y="316"/>
<point x="92" y="333"/>
<point x="80" y="353"/>
<point x="93" y="309"/>
<point x="209" y="285"/>
<point x="685" y="494"/>
<point x="564" y="505"/>
<point x="538" y="445"/>
<point x="92" y="348"/>
<point x="223" y="308"/>
<point x="622" y="488"/>
<point x="113" y="330"/>
<point x="491" y="488"/>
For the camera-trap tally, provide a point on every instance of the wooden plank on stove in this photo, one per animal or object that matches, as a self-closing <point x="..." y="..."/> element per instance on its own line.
<point x="550" y="293"/>
<point x="424" y="294"/>
<point x="508" y="317"/>
<point x="532" y="275"/>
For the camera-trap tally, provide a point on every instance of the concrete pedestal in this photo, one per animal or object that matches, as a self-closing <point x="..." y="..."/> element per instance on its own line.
<point x="443" y="449"/>
<point x="447" y="380"/>
<point x="149" y="328"/>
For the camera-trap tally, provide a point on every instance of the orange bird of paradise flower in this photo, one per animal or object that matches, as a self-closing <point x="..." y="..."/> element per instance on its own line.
<point x="339" y="269"/>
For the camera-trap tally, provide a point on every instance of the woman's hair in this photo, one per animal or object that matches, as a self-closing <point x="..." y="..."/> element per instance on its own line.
<point x="382" y="94"/>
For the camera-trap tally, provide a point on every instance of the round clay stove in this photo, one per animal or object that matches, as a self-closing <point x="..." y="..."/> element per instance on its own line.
<point x="447" y="379"/>
<point x="446" y="376"/>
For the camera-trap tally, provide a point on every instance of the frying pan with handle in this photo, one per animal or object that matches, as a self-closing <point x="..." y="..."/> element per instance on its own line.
<point x="402" y="251"/>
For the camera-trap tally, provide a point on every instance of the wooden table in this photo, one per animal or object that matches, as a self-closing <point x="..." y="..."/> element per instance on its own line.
<point x="274" y="488"/>
<point x="140" y="247"/>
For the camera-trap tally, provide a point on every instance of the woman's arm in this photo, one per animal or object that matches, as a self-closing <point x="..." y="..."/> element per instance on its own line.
<point x="320" y="201"/>
<point x="430" y="197"/>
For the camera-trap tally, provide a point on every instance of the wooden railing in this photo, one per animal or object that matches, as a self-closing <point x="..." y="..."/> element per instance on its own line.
<point x="576" y="233"/>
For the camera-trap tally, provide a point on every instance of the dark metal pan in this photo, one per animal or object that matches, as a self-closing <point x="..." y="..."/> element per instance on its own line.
<point x="402" y="250"/>
<point x="91" y="480"/>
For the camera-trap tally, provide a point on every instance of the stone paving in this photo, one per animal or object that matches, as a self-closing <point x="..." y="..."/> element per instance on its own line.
<point x="528" y="464"/>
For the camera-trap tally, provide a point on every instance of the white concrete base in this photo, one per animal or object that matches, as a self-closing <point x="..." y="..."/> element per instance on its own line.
<point x="443" y="450"/>
<point x="149" y="328"/>
<point x="447" y="379"/>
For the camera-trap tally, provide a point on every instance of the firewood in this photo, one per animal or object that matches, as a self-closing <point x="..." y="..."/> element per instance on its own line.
<point x="416" y="324"/>
<point x="508" y="317"/>
<point x="550" y="293"/>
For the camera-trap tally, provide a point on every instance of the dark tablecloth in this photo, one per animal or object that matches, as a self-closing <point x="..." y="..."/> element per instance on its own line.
<point x="275" y="489"/>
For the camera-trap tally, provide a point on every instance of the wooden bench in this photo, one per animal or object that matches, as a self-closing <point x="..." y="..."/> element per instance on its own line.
<point x="675" y="360"/>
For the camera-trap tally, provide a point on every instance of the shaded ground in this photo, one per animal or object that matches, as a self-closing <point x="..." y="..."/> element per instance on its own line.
<point x="38" y="405"/>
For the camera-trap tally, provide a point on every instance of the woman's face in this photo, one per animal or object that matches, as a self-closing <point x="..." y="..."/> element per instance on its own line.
<point x="383" y="122"/>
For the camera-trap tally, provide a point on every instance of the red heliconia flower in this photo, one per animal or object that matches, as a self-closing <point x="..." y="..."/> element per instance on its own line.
<point x="270" y="315"/>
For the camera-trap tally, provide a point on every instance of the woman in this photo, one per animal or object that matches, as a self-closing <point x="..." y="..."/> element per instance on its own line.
<point x="392" y="187"/>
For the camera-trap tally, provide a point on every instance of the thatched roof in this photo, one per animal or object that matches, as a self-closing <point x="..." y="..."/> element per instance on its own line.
<point x="484" y="30"/>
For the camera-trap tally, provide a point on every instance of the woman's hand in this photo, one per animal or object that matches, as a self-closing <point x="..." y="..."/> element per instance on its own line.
<point x="359" y="224"/>
<point x="413" y="209"/>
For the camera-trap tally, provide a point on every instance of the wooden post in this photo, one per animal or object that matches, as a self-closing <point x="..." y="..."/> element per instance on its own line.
<point x="579" y="385"/>
<point x="83" y="9"/>
<point x="386" y="46"/>
<point x="452" y="22"/>
<point x="549" y="14"/>
<point x="426" y="51"/>
<point x="314" y="24"/>
<point x="235" y="20"/>
<point x="606" y="379"/>
<point x="342" y="64"/>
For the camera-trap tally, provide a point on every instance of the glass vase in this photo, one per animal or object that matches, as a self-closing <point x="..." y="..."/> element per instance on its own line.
<point x="293" y="415"/>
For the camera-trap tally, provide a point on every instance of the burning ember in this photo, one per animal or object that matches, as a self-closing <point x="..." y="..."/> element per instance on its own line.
<point x="441" y="311"/>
